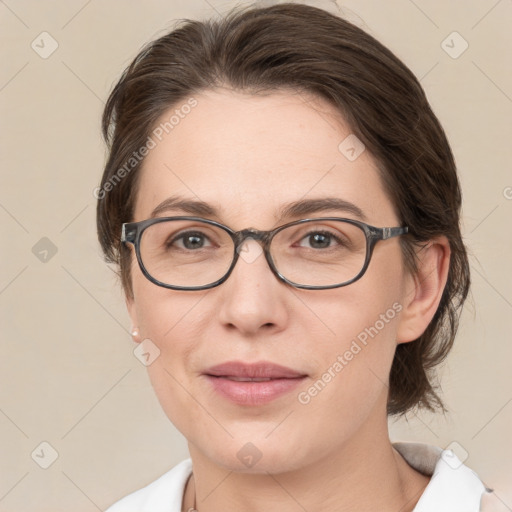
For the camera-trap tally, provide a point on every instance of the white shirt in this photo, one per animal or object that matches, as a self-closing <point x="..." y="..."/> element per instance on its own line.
<point x="453" y="487"/>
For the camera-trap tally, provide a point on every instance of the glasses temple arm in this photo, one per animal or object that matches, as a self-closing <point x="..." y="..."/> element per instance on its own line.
<point x="392" y="232"/>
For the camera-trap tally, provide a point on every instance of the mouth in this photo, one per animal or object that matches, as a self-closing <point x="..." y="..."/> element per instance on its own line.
<point x="252" y="383"/>
<point x="242" y="379"/>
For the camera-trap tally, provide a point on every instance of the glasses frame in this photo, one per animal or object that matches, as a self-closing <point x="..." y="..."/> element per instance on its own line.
<point x="132" y="233"/>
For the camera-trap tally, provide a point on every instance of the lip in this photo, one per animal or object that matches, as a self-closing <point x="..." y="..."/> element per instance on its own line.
<point x="252" y="383"/>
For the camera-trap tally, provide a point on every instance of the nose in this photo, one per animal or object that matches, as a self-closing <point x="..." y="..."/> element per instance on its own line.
<point x="252" y="299"/>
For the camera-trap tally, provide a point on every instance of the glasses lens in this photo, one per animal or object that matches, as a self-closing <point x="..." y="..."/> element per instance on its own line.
<point x="186" y="253"/>
<point x="319" y="252"/>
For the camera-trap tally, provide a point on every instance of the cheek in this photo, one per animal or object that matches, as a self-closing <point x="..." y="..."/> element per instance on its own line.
<point x="355" y="359"/>
<point x="350" y="389"/>
<point x="168" y="317"/>
<point x="353" y="367"/>
<point x="173" y="322"/>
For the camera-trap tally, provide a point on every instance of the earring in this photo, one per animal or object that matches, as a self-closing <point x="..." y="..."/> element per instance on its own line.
<point x="135" y="332"/>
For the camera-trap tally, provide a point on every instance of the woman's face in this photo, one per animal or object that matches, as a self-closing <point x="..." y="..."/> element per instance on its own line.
<point x="249" y="156"/>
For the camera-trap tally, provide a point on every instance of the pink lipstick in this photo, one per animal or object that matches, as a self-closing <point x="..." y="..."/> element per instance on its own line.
<point x="252" y="383"/>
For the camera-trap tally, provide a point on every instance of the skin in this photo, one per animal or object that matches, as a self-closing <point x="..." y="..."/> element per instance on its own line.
<point x="248" y="155"/>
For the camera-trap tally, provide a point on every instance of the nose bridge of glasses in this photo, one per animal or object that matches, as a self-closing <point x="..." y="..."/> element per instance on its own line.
<point x="250" y="252"/>
<point x="255" y="234"/>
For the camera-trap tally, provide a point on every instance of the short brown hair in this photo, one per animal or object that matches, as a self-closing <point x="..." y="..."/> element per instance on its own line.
<point x="308" y="49"/>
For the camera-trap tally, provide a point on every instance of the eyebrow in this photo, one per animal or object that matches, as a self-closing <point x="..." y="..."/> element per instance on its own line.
<point x="299" y="208"/>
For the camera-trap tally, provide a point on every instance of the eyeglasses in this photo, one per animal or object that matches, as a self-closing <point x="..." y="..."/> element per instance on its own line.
<point x="192" y="253"/>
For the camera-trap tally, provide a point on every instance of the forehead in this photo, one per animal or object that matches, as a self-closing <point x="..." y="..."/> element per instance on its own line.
<point x="249" y="154"/>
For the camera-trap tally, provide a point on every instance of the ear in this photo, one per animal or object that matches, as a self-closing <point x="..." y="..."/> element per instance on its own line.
<point x="132" y="311"/>
<point x="424" y="289"/>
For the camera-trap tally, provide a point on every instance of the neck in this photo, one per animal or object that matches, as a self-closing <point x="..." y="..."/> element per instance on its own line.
<point x="364" y="474"/>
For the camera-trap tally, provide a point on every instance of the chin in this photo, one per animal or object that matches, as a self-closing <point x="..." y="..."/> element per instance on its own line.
<point x="259" y="456"/>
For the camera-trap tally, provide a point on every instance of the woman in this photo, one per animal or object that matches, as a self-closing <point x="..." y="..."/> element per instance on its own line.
<point x="284" y="209"/>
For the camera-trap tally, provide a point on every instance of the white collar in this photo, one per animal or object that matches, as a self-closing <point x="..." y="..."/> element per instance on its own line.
<point x="453" y="486"/>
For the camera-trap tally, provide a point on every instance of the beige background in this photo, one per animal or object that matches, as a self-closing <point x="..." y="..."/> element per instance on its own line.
<point x="68" y="373"/>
